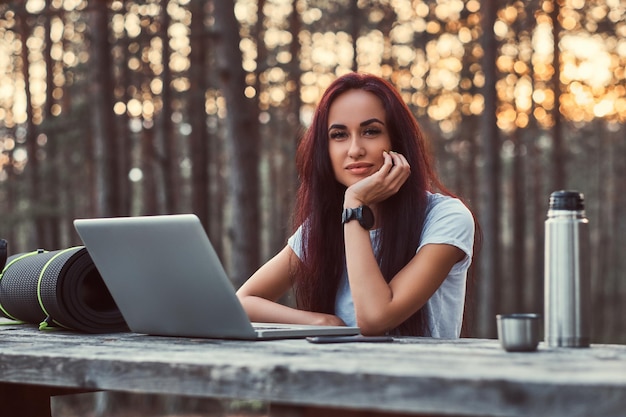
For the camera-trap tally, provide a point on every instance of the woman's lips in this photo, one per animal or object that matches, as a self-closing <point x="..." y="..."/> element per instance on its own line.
<point x="359" y="169"/>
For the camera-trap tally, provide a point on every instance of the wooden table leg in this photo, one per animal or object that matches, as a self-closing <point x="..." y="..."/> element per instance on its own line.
<point x="29" y="400"/>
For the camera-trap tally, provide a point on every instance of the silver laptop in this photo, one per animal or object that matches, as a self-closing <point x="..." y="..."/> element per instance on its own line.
<point x="166" y="279"/>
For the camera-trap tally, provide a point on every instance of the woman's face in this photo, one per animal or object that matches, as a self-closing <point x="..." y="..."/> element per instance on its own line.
<point x="357" y="136"/>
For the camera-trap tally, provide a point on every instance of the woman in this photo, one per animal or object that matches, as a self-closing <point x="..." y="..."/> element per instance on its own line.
<point x="375" y="246"/>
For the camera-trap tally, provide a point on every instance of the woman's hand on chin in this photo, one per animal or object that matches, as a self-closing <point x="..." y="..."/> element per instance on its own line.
<point x="383" y="183"/>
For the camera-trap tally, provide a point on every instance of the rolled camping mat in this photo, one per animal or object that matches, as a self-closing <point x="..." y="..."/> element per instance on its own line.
<point x="60" y="288"/>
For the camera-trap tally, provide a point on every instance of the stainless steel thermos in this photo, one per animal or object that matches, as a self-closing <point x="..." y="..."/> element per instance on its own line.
<point x="567" y="282"/>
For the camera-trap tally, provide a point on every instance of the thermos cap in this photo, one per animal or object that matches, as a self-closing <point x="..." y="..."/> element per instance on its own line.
<point x="567" y="200"/>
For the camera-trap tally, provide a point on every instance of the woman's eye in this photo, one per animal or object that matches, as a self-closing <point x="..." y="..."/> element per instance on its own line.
<point x="371" y="132"/>
<point x="337" y="134"/>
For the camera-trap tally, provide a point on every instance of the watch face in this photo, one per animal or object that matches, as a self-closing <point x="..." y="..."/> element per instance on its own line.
<point x="367" y="217"/>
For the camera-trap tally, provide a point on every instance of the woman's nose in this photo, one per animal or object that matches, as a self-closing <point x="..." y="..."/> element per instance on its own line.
<point x="356" y="148"/>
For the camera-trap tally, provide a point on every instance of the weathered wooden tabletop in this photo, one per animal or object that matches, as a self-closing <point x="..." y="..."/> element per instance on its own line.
<point x="418" y="375"/>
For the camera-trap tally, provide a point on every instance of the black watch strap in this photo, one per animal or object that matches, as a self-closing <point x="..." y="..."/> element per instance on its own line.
<point x="363" y="214"/>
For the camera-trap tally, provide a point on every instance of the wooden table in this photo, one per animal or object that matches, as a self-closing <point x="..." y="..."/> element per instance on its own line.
<point x="411" y="375"/>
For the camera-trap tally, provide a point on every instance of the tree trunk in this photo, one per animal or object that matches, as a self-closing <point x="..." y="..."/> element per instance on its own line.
<point x="199" y="141"/>
<point x="288" y="189"/>
<point x="489" y="287"/>
<point x="539" y="208"/>
<point x="33" y="166"/>
<point x="10" y="198"/>
<point x="559" y="158"/>
<point x="518" y="258"/>
<point x="242" y="141"/>
<point x="617" y="148"/>
<point x="355" y="29"/>
<point x="105" y="142"/>
<point x="165" y="133"/>
<point x="123" y="131"/>
<point x="149" y="186"/>
<point x="52" y="217"/>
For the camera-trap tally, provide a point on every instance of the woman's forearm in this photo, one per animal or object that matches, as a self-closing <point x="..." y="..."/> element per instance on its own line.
<point x="262" y="310"/>
<point x="371" y="295"/>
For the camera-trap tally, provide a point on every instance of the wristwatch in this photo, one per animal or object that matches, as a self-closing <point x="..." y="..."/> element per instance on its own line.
<point x="363" y="214"/>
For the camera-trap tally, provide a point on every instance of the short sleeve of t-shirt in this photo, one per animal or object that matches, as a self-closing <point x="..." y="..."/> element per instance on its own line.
<point x="448" y="221"/>
<point x="295" y="242"/>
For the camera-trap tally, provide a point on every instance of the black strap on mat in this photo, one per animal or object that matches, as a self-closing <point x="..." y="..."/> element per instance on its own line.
<point x="3" y="253"/>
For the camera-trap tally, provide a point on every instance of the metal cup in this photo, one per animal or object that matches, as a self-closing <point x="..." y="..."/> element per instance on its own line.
<point x="518" y="332"/>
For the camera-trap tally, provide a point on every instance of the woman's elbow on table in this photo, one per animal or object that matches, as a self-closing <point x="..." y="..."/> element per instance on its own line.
<point x="373" y="325"/>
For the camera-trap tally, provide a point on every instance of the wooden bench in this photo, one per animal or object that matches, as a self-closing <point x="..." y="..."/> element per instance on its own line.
<point x="463" y="377"/>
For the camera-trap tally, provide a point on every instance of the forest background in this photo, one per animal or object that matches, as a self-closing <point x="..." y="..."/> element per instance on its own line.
<point x="168" y="106"/>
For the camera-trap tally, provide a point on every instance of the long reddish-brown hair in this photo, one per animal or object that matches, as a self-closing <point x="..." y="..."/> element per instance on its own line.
<point x="320" y="200"/>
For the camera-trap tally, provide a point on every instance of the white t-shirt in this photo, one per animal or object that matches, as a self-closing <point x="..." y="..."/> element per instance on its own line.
<point x="448" y="221"/>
